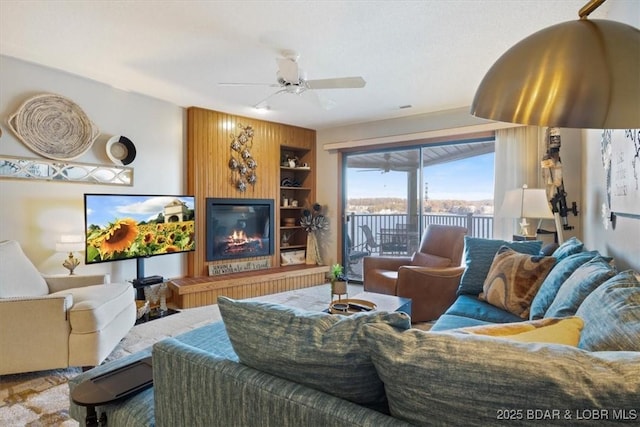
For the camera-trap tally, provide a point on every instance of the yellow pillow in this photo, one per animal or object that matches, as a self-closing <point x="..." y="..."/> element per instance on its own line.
<point x="551" y="330"/>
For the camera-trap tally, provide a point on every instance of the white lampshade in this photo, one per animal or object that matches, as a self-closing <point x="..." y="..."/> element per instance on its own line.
<point x="70" y="243"/>
<point x="526" y="203"/>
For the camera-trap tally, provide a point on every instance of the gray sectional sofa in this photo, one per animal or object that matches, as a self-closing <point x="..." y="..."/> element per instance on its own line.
<point x="274" y="365"/>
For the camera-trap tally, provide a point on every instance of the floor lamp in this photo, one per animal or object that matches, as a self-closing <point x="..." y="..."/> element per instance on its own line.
<point x="529" y="203"/>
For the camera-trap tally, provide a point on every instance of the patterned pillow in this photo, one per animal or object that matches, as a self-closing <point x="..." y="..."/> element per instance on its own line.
<point x="612" y="315"/>
<point x="316" y="349"/>
<point x="550" y="330"/>
<point x="581" y="283"/>
<point x="429" y="375"/>
<point x="568" y="247"/>
<point x="478" y="256"/>
<point x="514" y="279"/>
<point x="549" y="288"/>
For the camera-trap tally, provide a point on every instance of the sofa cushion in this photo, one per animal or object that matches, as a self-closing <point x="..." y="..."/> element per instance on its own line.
<point x="427" y="260"/>
<point x="550" y="330"/>
<point x="569" y="247"/>
<point x="18" y="276"/>
<point x="320" y="350"/>
<point x="478" y="256"/>
<point x="471" y="307"/>
<point x="514" y="279"/>
<point x="451" y="377"/>
<point x="581" y="283"/>
<point x="556" y="277"/>
<point x="612" y="315"/>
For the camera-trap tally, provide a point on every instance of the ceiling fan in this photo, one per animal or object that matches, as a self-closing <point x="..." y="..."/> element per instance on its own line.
<point x="385" y="168"/>
<point x="291" y="79"/>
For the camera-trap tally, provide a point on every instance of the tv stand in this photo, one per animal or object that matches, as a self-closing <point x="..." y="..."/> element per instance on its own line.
<point x="141" y="281"/>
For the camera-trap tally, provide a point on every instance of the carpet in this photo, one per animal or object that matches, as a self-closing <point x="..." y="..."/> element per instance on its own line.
<point x="39" y="399"/>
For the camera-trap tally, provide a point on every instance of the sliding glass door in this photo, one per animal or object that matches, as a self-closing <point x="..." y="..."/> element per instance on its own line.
<point x="391" y="195"/>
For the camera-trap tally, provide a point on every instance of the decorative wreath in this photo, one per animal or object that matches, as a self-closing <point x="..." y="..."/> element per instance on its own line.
<point x="242" y="164"/>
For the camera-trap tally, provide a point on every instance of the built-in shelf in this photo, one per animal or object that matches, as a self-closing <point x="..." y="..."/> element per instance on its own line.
<point x="294" y="237"/>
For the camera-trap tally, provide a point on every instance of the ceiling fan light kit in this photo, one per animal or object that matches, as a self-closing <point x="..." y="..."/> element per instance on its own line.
<point x="577" y="74"/>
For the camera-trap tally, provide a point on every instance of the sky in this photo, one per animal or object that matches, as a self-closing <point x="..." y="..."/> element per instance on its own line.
<point x="102" y="209"/>
<point x="467" y="179"/>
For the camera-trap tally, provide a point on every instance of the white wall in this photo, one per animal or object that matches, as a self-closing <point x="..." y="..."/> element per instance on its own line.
<point x="623" y="242"/>
<point x="36" y="212"/>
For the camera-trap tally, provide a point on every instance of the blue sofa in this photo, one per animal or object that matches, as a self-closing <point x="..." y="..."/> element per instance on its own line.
<point x="198" y="379"/>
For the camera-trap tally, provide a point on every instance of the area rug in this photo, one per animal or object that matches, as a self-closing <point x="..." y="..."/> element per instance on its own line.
<point x="42" y="398"/>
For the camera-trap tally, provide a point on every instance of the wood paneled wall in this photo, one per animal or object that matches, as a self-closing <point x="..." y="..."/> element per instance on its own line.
<point x="209" y="135"/>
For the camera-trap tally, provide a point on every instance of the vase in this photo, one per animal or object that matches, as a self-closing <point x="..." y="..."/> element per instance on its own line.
<point x="313" y="252"/>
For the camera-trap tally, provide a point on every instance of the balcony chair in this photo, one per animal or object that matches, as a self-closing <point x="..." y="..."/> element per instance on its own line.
<point x="370" y="241"/>
<point x="430" y="277"/>
<point x="51" y="322"/>
<point x="355" y="254"/>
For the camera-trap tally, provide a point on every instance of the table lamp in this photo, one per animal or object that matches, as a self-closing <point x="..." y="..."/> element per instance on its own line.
<point x="70" y="243"/>
<point x="526" y="203"/>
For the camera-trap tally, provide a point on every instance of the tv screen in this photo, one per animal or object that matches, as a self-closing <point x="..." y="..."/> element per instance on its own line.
<point x="125" y="226"/>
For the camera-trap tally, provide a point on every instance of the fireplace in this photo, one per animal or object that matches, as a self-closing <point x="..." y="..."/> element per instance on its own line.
<point x="239" y="228"/>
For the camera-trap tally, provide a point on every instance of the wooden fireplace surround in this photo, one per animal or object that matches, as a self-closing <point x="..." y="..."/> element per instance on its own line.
<point x="209" y="135"/>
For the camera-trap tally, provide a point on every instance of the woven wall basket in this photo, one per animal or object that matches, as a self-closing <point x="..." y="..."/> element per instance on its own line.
<point x="54" y="127"/>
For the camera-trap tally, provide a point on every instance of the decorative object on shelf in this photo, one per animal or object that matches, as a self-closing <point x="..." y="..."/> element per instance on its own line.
<point x="121" y="150"/>
<point x="338" y="282"/>
<point x="242" y="164"/>
<point x="314" y="222"/>
<point x="51" y="170"/>
<point x="292" y="257"/>
<point x="156" y="296"/>
<point x="54" y="127"/>
<point x="70" y="243"/>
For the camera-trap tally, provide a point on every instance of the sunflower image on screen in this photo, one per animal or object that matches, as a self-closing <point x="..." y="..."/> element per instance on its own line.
<point x="138" y="226"/>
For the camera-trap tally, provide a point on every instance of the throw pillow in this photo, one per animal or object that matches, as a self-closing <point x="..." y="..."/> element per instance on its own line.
<point x="452" y="377"/>
<point x="428" y="260"/>
<point x="556" y="277"/>
<point x="564" y="331"/>
<point x="478" y="256"/>
<point x="581" y="283"/>
<point x="514" y="279"/>
<point x="320" y="350"/>
<point x="612" y="315"/>
<point x="568" y="247"/>
<point x="19" y="276"/>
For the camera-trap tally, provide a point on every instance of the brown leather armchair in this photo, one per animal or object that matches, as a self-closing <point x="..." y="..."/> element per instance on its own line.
<point x="430" y="277"/>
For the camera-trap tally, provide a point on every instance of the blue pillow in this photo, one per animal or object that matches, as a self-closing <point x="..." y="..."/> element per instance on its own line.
<point x="478" y="257"/>
<point x="568" y="247"/>
<point x="556" y="277"/>
<point x="611" y="315"/>
<point x="579" y="285"/>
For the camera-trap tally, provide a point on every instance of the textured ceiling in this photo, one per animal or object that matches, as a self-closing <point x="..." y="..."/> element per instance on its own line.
<point x="427" y="54"/>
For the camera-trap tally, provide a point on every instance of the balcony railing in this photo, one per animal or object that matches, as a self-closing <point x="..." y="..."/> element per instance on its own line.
<point x="399" y="234"/>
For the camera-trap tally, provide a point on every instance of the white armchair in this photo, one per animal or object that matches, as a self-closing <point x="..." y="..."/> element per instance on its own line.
<point x="49" y="322"/>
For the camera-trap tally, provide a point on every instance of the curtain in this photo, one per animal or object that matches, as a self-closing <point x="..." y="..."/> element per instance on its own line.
<point x="518" y="152"/>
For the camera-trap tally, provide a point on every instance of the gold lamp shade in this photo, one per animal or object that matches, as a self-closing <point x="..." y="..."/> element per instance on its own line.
<point x="577" y="74"/>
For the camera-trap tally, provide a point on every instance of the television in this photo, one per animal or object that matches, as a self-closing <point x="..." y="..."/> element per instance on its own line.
<point x="134" y="226"/>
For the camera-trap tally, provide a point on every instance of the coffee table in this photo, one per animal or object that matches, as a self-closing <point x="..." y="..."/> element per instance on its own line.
<point x="386" y="302"/>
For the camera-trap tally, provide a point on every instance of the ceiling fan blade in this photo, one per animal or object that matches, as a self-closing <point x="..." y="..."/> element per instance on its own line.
<point x="288" y="70"/>
<point x="228" y="84"/>
<point x="337" y="83"/>
<point x="322" y="101"/>
<point x="264" y="104"/>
